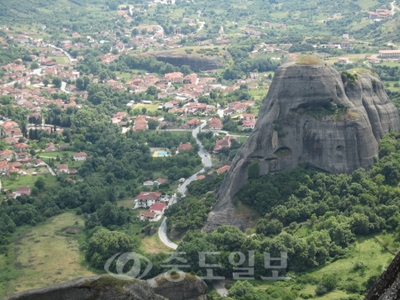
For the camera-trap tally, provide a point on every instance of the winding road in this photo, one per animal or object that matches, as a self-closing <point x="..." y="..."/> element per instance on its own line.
<point x="162" y="230"/>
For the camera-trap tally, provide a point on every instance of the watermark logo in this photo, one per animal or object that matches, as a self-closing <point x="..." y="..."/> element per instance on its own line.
<point x="242" y="265"/>
<point x="123" y="259"/>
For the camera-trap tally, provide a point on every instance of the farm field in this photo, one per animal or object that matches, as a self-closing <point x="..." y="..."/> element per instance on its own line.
<point x="43" y="255"/>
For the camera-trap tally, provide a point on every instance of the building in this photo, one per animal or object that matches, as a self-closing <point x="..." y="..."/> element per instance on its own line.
<point x="21" y="147"/>
<point x="343" y="60"/>
<point x="183" y="147"/>
<point x="175" y="77"/>
<point x="158" y="208"/>
<point x="389" y="53"/>
<point x="80" y="156"/>
<point x="22" y="190"/>
<point x="248" y="125"/>
<point x="192" y="123"/>
<point x="147" y="199"/>
<point x="147" y="215"/>
<point x="62" y="168"/>
<point x="223" y="169"/>
<point x="215" y="124"/>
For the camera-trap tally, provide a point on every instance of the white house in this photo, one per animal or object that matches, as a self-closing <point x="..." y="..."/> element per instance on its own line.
<point x="80" y="156"/>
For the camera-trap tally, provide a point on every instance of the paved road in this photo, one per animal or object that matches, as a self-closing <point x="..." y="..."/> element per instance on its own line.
<point x="162" y="230"/>
<point x="394" y="7"/>
<point x="220" y="288"/>
<point x="63" y="86"/>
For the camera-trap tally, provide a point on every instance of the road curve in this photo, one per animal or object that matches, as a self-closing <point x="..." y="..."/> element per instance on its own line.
<point x="162" y="230"/>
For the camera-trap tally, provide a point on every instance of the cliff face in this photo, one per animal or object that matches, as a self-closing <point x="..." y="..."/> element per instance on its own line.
<point x="196" y="63"/>
<point x="298" y="123"/>
<point x="106" y="287"/>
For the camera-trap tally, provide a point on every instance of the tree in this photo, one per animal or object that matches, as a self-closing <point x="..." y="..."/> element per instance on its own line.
<point x="108" y="214"/>
<point x="57" y="82"/>
<point x="104" y="244"/>
<point x="152" y="124"/>
<point x="34" y="65"/>
<point x="253" y="170"/>
<point x="40" y="183"/>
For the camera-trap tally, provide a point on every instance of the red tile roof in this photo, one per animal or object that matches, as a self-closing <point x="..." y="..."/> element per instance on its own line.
<point x="157" y="206"/>
<point x="223" y="169"/>
<point x="149" y="196"/>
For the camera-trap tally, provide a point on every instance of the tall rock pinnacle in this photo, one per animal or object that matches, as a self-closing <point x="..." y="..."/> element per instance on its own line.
<point x="311" y="115"/>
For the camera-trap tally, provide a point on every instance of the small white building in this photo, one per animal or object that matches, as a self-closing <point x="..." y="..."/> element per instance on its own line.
<point x="80" y="156"/>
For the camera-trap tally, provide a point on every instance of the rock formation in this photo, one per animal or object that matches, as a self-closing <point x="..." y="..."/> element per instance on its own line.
<point x="387" y="286"/>
<point x="195" y="62"/>
<point x="310" y="115"/>
<point x="106" y="287"/>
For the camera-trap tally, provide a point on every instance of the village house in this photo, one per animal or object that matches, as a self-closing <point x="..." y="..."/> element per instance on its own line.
<point x="6" y="154"/>
<point x="389" y="53"/>
<point x="224" y="143"/>
<point x="223" y="169"/>
<point x="343" y="60"/>
<point x="147" y="199"/>
<point x="4" y="166"/>
<point x="147" y="215"/>
<point x="175" y="77"/>
<point x="192" y="123"/>
<point x="248" y="125"/>
<point x="80" y="156"/>
<point x="21" y="147"/>
<point x="183" y="147"/>
<point x="215" y="124"/>
<point x="158" y="208"/>
<point x="62" y="168"/>
<point x="22" y="190"/>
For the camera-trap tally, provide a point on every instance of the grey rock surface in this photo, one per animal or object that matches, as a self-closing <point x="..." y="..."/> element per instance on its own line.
<point x="106" y="287"/>
<point x="191" y="287"/>
<point x="287" y="133"/>
<point x="387" y="287"/>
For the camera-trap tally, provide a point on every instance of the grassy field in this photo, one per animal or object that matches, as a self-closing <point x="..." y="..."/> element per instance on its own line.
<point x="149" y="107"/>
<point x="366" y="251"/>
<point x="153" y="244"/>
<point x="56" y="153"/>
<point x="44" y="255"/>
<point x="59" y="59"/>
<point x="12" y="184"/>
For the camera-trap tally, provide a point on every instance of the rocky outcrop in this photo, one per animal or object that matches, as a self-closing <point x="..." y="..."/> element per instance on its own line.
<point x="304" y="119"/>
<point x="195" y="62"/>
<point x="107" y="287"/>
<point x="387" y="286"/>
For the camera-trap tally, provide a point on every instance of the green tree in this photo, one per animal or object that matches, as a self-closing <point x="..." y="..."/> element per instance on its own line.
<point x="104" y="244"/>
<point x="40" y="184"/>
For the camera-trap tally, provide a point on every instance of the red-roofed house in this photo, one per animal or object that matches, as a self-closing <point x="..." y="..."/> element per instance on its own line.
<point x="183" y="147"/>
<point x="146" y="199"/>
<point x="160" y="180"/>
<point x="215" y="123"/>
<point x="192" y="123"/>
<point x="224" y="143"/>
<point x="158" y="208"/>
<point x="80" y="156"/>
<point x="22" y="190"/>
<point x="147" y="215"/>
<point x="246" y="125"/>
<point x="6" y="154"/>
<point x="21" y="147"/>
<point x="223" y="169"/>
<point x="62" y="168"/>
<point x="200" y="177"/>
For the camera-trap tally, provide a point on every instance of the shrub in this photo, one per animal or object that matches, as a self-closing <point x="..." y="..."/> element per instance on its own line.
<point x="321" y="290"/>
